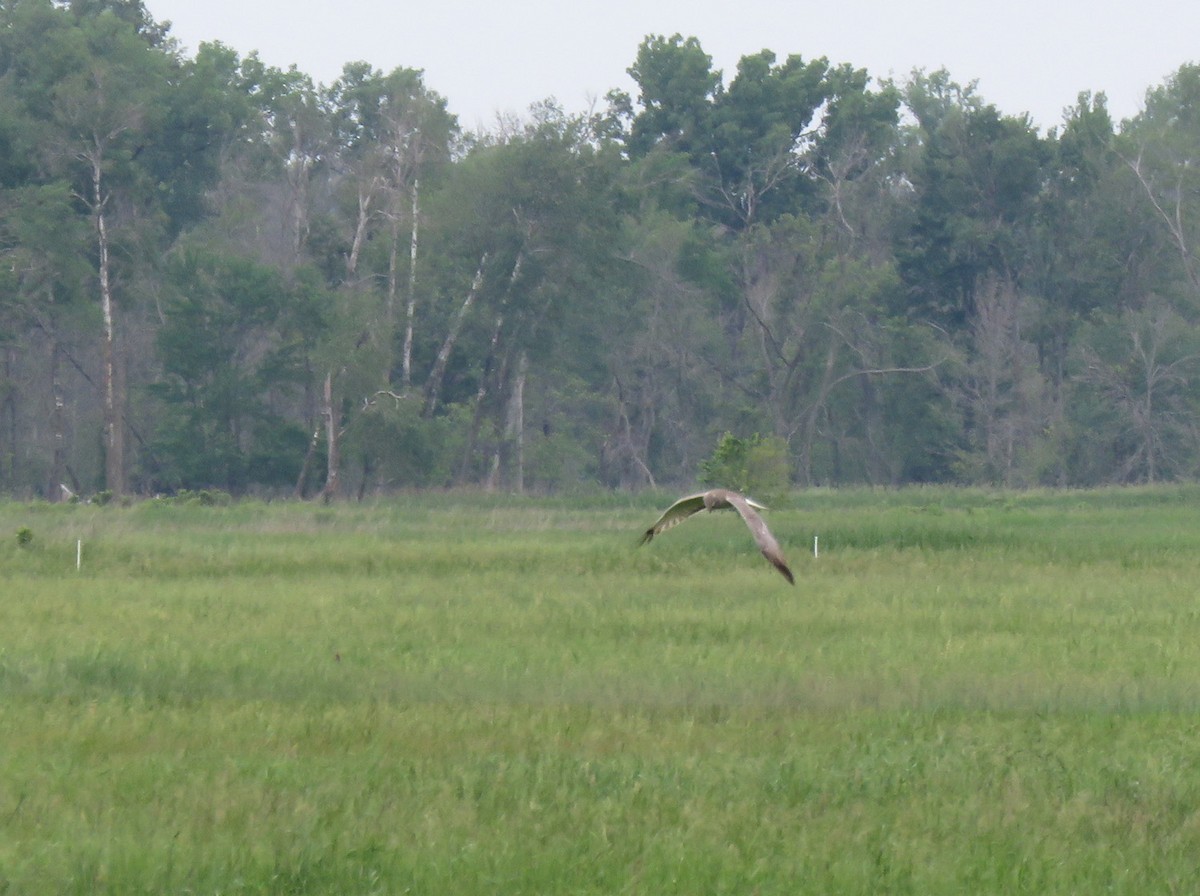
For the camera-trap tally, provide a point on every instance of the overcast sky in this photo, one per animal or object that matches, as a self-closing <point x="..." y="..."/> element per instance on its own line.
<point x="487" y="57"/>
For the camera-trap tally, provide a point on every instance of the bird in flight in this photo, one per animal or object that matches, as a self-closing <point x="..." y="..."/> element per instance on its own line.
<point x="724" y="499"/>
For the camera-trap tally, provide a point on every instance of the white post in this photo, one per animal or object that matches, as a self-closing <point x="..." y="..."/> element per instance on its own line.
<point x="816" y="549"/>
<point x="78" y="553"/>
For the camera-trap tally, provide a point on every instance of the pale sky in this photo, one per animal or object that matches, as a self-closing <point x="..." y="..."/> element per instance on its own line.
<point x="487" y="57"/>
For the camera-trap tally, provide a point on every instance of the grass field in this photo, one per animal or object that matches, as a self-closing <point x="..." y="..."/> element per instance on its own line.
<point x="967" y="692"/>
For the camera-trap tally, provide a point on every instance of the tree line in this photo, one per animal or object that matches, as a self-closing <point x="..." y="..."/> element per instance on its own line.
<point x="217" y="274"/>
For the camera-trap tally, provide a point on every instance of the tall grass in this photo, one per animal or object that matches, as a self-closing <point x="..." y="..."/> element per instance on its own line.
<point x="967" y="692"/>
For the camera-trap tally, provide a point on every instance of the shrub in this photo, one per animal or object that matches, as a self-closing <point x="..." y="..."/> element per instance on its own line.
<point x="757" y="465"/>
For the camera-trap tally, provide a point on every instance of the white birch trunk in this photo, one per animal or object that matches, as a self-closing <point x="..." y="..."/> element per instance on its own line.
<point x="360" y="229"/>
<point x="433" y="388"/>
<point x="114" y="441"/>
<point x="410" y="310"/>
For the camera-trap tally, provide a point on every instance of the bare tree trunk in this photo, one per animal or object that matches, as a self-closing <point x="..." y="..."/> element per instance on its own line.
<point x="480" y="398"/>
<point x="312" y="420"/>
<point x="298" y="173"/>
<point x="389" y="304"/>
<point x="410" y="310"/>
<point x="308" y="456"/>
<point x="367" y="472"/>
<point x="333" y="460"/>
<point x="433" y="388"/>
<point x="627" y="448"/>
<point x="490" y="373"/>
<point x="360" y="229"/>
<point x="55" y="488"/>
<point x="114" y="434"/>
<point x="516" y="424"/>
<point x="509" y="450"/>
<point x="811" y="416"/>
<point x="1172" y="217"/>
<point x="492" y="482"/>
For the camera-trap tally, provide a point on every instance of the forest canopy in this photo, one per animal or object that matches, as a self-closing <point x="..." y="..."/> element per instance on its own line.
<point x="221" y="275"/>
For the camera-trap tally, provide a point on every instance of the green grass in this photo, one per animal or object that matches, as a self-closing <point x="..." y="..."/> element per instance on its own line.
<point x="968" y="692"/>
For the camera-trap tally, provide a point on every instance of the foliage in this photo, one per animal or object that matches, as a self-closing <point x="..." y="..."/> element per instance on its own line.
<point x="226" y="347"/>
<point x="220" y="274"/>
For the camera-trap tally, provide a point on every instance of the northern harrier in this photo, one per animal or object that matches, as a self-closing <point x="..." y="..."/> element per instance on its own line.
<point x="724" y="499"/>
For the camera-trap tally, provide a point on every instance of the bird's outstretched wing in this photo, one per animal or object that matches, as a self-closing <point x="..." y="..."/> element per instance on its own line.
<point x="674" y="515"/>
<point x="762" y="535"/>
